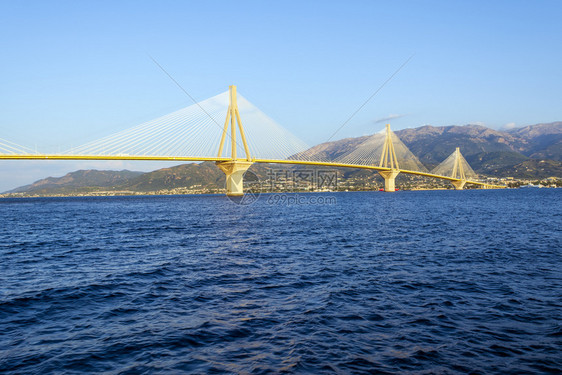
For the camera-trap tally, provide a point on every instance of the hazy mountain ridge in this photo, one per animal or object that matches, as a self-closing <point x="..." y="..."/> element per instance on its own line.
<point x="530" y="169"/>
<point x="541" y="140"/>
<point x="493" y="152"/>
<point x="485" y="149"/>
<point x="530" y="152"/>
<point x="432" y="144"/>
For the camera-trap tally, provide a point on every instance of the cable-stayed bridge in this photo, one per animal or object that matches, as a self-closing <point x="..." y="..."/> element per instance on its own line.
<point x="230" y="131"/>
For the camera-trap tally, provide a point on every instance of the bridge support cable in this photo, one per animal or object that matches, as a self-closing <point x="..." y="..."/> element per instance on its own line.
<point x="194" y="132"/>
<point x="379" y="146"/>
<point x="186" y="132"/>
<point x="265" y="137"/>
<point x="387" y="151"/>
<point x="11" y="148"/>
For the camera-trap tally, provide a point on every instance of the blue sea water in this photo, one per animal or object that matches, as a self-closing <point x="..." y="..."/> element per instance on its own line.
<point x="412" y="282"/>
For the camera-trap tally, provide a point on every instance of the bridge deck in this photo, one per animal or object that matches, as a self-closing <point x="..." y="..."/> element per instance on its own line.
<point x="218" y="159"/>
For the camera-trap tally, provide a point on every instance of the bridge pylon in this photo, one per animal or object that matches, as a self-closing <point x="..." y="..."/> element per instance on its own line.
<point x="234" y="168"/>
<point x="389" y="160"/>
<point x="458" y="171"/>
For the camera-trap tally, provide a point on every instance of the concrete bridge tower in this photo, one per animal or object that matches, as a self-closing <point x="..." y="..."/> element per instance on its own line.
<point x="458" y="171"/>
<point x="235" y="168"/>
<point x="389" y="160"/>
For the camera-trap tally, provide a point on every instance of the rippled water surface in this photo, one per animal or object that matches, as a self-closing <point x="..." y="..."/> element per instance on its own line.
<point x="411" y="282"/>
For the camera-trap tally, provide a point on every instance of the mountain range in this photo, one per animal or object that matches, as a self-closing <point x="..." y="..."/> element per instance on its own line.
<point x="530" y="152"/>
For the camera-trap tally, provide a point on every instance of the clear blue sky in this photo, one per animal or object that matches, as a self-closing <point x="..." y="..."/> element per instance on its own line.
<point x="72" y="71"/>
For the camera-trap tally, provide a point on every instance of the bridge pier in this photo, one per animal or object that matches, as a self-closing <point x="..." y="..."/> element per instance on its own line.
<point x="459" y="185"/>
<point x="389" y="179"/>
<point x="234" y="171"/>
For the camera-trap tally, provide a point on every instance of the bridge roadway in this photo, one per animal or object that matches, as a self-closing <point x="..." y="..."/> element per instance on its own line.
<point x="219" y="159"/>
